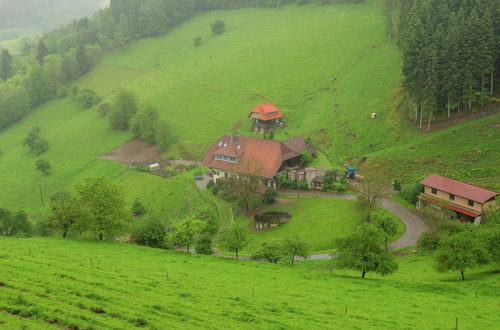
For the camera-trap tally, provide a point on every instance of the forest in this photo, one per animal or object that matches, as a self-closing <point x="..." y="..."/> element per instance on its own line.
<point x="450" y="53"/>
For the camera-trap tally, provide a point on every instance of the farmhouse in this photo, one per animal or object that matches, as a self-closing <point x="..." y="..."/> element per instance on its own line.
<point x="468" y="202"/>
<point x="266" y="117"/>
<point x="233" y="155"/>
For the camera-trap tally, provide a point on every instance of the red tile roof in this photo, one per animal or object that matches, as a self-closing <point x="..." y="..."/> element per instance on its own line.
<point x="268" y="111"/>
<point x="458" y="188"/>
<point x="256" y="156"/>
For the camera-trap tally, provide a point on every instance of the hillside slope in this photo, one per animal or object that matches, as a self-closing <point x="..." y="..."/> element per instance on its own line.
<point x="51" y="283"/>
<point x="327" y="67"/>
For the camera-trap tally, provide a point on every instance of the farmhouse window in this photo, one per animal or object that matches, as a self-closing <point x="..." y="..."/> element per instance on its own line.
<point x="434" y="191"/>
<point x="452" y="197"/>
<point x="471" y="203"/>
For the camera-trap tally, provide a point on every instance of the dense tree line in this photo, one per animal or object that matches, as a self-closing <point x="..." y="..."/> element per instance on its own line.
<point x="62" y="55"/>
<point x="450" y="52"/>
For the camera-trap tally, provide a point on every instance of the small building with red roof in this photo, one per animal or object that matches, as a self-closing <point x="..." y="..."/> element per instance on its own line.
<point x="266" y="117"/>
<point x="468" y="202"/>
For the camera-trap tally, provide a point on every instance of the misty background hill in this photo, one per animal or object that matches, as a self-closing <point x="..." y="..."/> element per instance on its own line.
<point x="24" y="18"/>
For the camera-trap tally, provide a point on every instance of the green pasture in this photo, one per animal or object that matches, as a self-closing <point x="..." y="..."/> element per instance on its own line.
<point x="77" y="138"/>
<point x="319" y="221"/>
<point x="327" y="67"/>
<point x="53" y="283"/>
<point x="468" y="152"/>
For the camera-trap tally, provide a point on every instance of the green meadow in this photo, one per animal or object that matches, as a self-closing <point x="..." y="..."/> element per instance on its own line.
<point x="327" y="67"/>
<point x="52" y="283"/>
<point x="319" y="221"/>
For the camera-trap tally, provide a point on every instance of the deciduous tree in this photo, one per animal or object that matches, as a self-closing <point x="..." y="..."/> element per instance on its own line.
<point x="461" y="251"/>
<point x="362" y="251"/>
<point x="6" y="70"/>
<point x="387" y="225"/>
<point x="67" y="215"/>
<point x="293" y="247"/>
<point x="105" y="201"/>
<point x="123" y="109"/>
<point x="185" y="231"/>
<point x="44" y="166"/>
<point x="233" y="239"/>
<point x="372" y="189"/>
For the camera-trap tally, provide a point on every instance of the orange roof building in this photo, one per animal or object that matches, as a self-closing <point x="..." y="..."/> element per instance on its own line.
<point x="233" y="154"/>
<point x="266" y="117"/>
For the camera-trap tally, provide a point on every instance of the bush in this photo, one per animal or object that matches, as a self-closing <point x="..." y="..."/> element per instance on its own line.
<point x="305" y="158"/>
<point x="204" y="245"/>
<point x="271" y="252"/>
<point x="137" y="208"/>
<point x="87" y="98"/>
<point x="143" y="168"/>
<point x="151" y="233"/>
<point x="104" y="108"/>
<point x="63" y="91"/>
<point x="197" y="41"/>
<point x="269" y="196"/>
<point x="43" y="166"/>
<point x="440" y="230"/>
<point x="218" y="27"/>
<point x="36" y="144"/>
<point x="14" y="224"/>
<point x="303" y="185"/>
<point x="411" y="194"/>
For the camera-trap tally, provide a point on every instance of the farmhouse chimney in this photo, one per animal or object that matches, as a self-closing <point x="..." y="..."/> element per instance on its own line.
<point x="232" y="138"/>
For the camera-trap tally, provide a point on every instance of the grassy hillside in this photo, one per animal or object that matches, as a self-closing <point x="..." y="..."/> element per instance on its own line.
<point x="327" y="67"/>
<point x="50" y="283"/>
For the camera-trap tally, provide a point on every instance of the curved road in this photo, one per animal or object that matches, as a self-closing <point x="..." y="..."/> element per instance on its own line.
<point x="415" y="226"/>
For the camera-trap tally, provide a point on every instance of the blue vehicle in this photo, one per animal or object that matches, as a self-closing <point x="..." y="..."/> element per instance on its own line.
<point x="350" y="172"/>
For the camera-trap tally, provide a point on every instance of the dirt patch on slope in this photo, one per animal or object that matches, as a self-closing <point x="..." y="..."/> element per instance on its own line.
<point x="135" y="152"/>
<point x="463" y="117"/>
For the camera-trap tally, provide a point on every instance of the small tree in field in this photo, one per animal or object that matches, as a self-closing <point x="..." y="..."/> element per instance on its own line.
<point x="362" y="251"/>
<point x="67" y="213"/>
<point x="123" y="109"/>
<point x="105" y="201"/>
<point x="197" y="41"/>
<point x="272" y="252"/>
<point x="218" y="27"/>
<point x="293" y="247"/>
<point x="372" y="190"/>
<point x="461" y="251"/>
<point x="387" y="225"/>
<point x="233" y="239"/>
<point x="43" y="165"/>
<point x="143" y="124"/>
<point x="186" y="231"/>
<point x="35" y="143"/>
<point x="14" y="223"/>
<point x="151" y="232"/>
